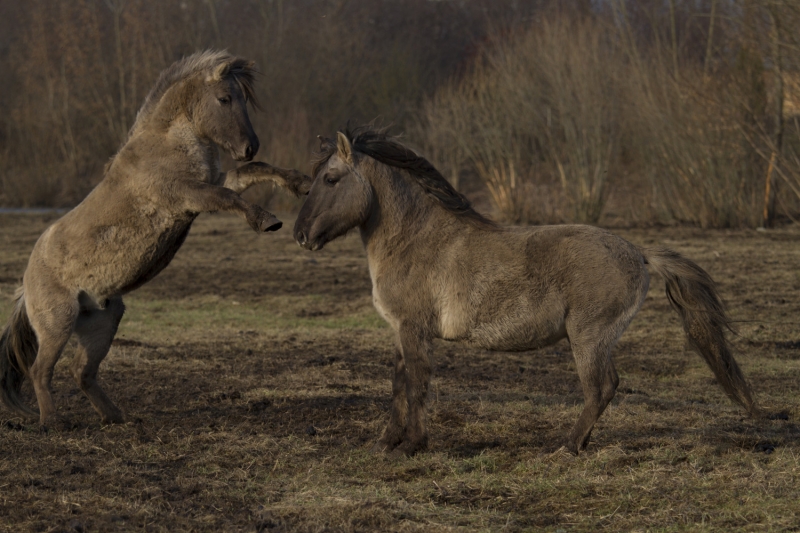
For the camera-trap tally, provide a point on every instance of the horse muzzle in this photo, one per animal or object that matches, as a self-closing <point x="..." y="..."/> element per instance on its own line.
<point x="247" y="152"/>
<point x="302" y="239"/>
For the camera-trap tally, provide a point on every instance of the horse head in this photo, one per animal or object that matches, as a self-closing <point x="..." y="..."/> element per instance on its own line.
<point x="340" y="197"/>
<point x="219" y="108"/>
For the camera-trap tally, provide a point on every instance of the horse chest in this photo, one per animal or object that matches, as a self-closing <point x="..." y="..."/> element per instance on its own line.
<point x="383" y="309"/>
<point x="379" y="297"/>
<point x="453" y="320"/>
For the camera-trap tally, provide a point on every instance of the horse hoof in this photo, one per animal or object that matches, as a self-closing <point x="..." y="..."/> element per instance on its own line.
<point x="303" y="183"/>
<point x="270" y="224"/>
<point x="380" y="448"/>
<point x="398" y="454"/>
<point x="570" y="447"/>
<point x="561" y="453"/>
<point x="114" y="419"/>
<point x="57" y="424"/>
<point x="406" y="449"/>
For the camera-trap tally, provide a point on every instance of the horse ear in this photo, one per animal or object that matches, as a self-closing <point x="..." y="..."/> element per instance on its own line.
<point x="221" y="71"/>
<point x="325" y="143"/>
<point x="344" y="148"/>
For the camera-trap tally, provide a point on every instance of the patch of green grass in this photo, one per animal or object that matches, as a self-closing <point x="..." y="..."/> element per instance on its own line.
<point x="197" y="318"/>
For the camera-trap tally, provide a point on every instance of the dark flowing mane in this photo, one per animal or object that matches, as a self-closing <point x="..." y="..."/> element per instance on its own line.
<point x="241" y="70"/>
<point x="377" y="144"/>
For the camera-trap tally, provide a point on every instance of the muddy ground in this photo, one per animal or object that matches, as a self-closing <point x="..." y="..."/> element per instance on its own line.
<point x="255" y="377"/>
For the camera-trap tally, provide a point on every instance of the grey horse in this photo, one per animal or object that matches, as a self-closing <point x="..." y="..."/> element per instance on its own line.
<point x="131" y="225"/>
<point x="441" y="270"/>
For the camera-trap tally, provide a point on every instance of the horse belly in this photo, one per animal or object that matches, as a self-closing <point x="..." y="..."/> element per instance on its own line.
<point x="159" y="255"/>
<point x="127" y="257"/>
<point x="524" y="327"/>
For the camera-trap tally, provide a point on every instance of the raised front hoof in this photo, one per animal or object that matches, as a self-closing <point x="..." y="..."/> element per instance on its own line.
<point x="262" y="221"/>
<point x="270" y="224"/>
<point x="299" y="183"/>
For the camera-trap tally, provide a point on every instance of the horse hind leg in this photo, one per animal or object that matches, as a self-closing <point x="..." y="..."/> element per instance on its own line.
<point x="95" y="330"/>
<point x="591" y="347"/>
<point x="599" y="387"/>
<point x="53" y="326"/>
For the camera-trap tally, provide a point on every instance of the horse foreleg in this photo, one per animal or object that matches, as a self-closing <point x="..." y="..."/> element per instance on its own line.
<point x="240" y="179"/>
<point x="395" y="430"/>
<point x="199" y="197"/>
<point x="95" y="330"/>
<point x="416" y="356"/>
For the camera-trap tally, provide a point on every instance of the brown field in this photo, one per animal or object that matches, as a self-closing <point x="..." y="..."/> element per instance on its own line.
<point x="255" y="376"/>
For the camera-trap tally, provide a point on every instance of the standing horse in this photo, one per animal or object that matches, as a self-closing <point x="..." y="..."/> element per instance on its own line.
<point x="132" y="224"/>
<point x="441" y="270"/>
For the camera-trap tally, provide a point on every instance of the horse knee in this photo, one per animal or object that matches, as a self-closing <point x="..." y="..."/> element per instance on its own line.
<point x="610" y="385"/>
<point x="40" y="372"/>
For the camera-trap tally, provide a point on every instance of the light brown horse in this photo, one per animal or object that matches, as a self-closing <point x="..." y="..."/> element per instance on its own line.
<point x="441" y="270"/>
<point x="132" y="224"/>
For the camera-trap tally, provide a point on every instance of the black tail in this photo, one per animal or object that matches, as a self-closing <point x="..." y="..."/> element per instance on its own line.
<point x="18" y="347"/>
<point x="692" y="293"/>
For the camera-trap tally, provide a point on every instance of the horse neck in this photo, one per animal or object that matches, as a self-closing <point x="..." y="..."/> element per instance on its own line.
<point x="401" y="214"/>
<point x="169" y="122"/>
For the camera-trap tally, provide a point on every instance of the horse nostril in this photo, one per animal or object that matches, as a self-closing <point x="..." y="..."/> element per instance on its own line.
<point x="248" y="152"/>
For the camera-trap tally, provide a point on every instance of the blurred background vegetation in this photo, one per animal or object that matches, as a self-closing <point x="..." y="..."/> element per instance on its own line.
<point x="617" y="112"/>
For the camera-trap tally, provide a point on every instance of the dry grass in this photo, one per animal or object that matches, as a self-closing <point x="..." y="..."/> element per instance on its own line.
<point x="256" y="376"/>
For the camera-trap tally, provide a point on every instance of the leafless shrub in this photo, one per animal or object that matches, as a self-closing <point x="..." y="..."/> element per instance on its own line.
<point x="657" y="103"/>
<point x="694" y="153"/>
<point x="702" y="106"/>
<point x="537" y="110"/>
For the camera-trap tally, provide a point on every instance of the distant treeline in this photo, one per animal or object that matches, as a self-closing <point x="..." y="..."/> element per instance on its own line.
<point x="617" y="111"/>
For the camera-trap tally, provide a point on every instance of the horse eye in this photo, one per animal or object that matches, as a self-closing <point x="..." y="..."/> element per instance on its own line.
<point x="331" y="180"/>
<point x="224" y="100"/>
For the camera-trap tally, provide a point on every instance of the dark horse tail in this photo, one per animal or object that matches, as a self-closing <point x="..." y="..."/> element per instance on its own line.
<point x="18" y="347"/>
<point x="692" y="293"/>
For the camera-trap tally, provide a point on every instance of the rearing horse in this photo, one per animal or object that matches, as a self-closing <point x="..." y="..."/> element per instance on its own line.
<point x="441" y="270"/>
<point x="132" y="224"/>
